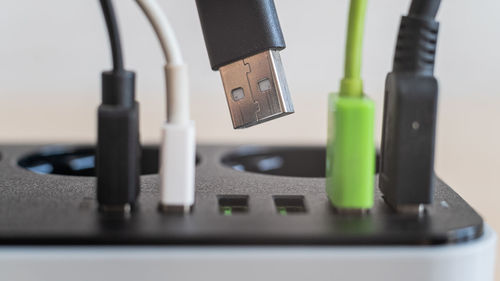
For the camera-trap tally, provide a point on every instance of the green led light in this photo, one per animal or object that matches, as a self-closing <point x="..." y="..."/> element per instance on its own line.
<point x="227" y="211"/>
<point x="282" y="211"/>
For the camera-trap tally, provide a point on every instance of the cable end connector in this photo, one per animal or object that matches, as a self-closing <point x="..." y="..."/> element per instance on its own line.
<point x="350" y="164"/>
<point x="256" y="89"/>
<point x="118" y="157"/>
<point x="118" y="151"/>
<point x="408" y="140"/>
<point x="177" y="167"/>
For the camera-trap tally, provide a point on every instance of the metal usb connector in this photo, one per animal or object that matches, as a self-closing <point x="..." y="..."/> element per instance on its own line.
<point x="256" y="89"/>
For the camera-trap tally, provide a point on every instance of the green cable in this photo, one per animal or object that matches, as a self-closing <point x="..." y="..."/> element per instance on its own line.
<point x="352" y="85"/>
<point x="350" y="159"/>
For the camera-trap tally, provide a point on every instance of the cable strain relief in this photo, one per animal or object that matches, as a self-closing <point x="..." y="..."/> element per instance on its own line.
<point x="350" y="87"/>
<point x="118" y="88"/>
<point x="416" y="46"/>
<point x="177" y="90"/>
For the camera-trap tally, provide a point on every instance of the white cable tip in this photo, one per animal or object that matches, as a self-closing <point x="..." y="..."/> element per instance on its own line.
<point x="177" y="166"/>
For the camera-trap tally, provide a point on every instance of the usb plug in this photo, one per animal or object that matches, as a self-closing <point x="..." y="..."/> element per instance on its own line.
<point x="256" y="89"/>
<point x="243" y="40"/>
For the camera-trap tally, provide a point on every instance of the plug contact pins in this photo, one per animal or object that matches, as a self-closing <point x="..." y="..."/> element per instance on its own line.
<point x="256" y="89"/>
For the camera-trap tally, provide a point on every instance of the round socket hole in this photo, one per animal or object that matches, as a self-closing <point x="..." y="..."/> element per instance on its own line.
<point x="80" y="161"/>
<point x="306" y="162"/>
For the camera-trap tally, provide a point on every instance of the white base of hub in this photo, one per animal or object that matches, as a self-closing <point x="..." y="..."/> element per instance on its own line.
<point x="466" y="261"/>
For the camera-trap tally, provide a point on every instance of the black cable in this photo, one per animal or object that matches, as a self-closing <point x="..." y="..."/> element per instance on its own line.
<point x="234" y="30"/>
<point x="118" y="85"/>
<point x="424" y="8"/>
<point x="114" y="35"/>
<point x="410" y="111"/>
<point x="118" y="148"/>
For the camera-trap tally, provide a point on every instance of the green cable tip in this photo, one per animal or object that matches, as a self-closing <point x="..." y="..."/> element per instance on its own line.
<point x="350" y="161"/>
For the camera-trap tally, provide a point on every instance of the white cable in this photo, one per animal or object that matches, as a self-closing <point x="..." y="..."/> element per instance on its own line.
<point x="163" y="30"/>
<point x="177" y="155"/>
<point x="175" y="69"/>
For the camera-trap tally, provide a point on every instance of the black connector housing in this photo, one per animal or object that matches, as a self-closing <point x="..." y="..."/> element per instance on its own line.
<point x="118" y="147"/>
<point x="410" y="112"/>
<point x="234" y="30"/>
<point x="407" y="160"/>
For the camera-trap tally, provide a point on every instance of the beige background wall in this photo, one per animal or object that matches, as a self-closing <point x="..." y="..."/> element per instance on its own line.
<point x="51" y="54"/>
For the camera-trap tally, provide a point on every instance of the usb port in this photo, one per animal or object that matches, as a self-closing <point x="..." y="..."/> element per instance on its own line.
<point x="231" y="204"/>
<point x="286" y="204"/>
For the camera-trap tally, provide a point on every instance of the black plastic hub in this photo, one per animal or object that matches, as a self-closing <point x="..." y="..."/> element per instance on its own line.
<point x="232" y="207"/>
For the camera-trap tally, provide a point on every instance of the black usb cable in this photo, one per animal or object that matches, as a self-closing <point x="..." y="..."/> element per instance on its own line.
<point x="243" y="40"/>
<point x="118" y="148"/>
<point x="410" y="111"/>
